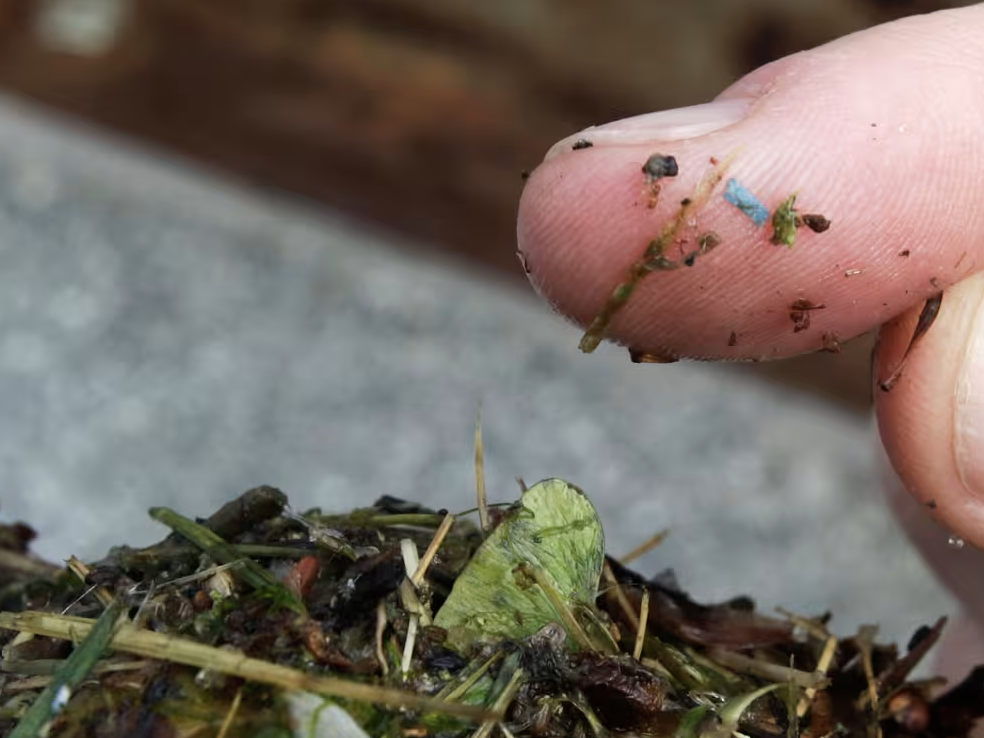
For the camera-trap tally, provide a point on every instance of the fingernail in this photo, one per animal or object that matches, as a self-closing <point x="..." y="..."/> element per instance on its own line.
<point x="668" y="125"/>
<point x="969" y="401"/>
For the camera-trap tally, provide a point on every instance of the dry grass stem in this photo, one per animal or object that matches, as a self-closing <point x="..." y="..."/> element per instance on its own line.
<point x="380" y="630"/>
<point x="623" y="601"/>
<point x="231" y="715"/>
<point x="183" y="651"/>
<point x="431" y="552"/>
<point x="480" y="495"/>
<point x="823" y="664"/>
<point x="768" y="670"/>
<point x="640" y="640"/>
<point x="645" y="547"/>
<point x="79" y="569"/>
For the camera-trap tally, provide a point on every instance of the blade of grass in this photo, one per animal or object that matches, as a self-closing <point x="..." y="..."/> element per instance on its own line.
<point x="74" y="671"/>
<point x="250" y="572"/>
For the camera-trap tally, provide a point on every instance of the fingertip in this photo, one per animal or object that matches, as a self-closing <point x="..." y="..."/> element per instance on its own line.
<point x="896" y="173"/>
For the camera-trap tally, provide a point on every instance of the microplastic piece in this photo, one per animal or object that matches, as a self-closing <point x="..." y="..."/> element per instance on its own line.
<point x="738" y="195"/>
<point x="62" y="695"/>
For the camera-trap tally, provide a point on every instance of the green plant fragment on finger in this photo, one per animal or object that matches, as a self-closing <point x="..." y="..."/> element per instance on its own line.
<point x="654" y="257"/>
<point x="785" y="221"/>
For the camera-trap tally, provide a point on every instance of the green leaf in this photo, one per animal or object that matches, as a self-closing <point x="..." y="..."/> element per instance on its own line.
<point x="693" y="722"/>
<point x="732" y="710"/>
<point x="552" y="531"/>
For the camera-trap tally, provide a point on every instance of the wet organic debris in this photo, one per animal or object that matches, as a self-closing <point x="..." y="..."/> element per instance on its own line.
<point x="815" y="222"/>
<point x="655" y="168"/>
<point x="656" y="257"/>
<point x="831" y="343"/>
<point x="397" y="620"/>
<point x="651" y="357"/>
<point x="927" y="316"/>
<point x="786" y="219"/>
<point x="658" y="166"/>
<point x="800" y="311"/>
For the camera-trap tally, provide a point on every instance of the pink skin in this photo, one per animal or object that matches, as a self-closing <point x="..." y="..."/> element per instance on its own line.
<point x="882" y="133"/>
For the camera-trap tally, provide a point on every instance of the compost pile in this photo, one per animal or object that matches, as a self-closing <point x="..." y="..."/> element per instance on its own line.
<point x="397" y="620"/>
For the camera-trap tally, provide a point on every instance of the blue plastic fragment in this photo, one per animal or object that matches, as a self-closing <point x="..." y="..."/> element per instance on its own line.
<point x="736" y="193"/>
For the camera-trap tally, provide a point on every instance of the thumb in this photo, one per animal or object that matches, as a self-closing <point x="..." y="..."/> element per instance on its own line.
<point x="878" y="131"/>
<point x="932" y="422"/>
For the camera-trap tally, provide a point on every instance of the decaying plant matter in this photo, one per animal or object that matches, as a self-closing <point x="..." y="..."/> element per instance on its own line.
<point x="658" y="255"/>
<point x="397" y="620"/>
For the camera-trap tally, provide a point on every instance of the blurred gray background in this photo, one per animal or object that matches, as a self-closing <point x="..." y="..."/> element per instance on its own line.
<point x="168" y="337"/>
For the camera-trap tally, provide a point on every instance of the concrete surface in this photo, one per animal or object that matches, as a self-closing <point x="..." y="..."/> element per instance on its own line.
<point x="169" y="339"/>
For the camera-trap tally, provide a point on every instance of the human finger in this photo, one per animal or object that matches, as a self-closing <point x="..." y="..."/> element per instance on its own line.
<point x="877" y="131"/>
